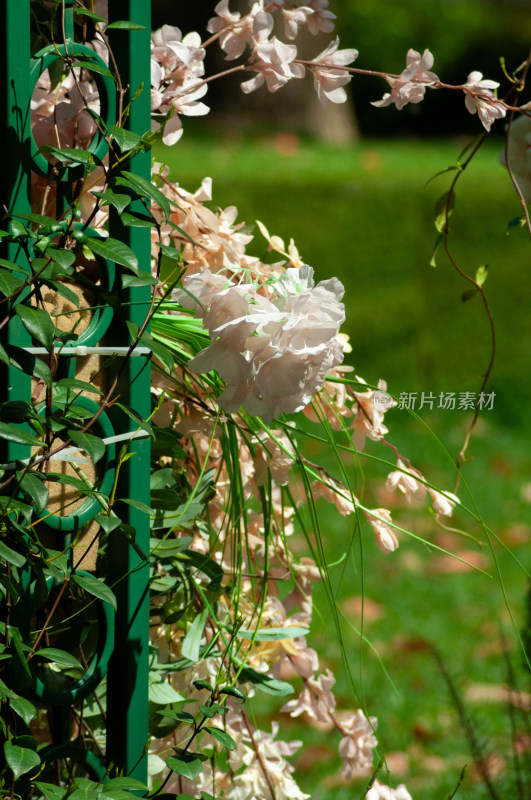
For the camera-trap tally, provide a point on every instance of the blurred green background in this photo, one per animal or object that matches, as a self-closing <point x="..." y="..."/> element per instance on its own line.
<point x="364" y="212"/>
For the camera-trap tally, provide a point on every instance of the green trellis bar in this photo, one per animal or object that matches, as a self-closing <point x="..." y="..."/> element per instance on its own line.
<point x="127" y="572"/>
<point x="15" y="177"/>
<point x="127" y="727"/>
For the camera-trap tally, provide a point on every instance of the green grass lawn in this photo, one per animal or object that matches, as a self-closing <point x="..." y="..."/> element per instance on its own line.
<point x="364" y="214"/>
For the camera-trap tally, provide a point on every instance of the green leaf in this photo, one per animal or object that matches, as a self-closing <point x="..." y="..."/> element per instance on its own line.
<point x="16" y="411"/>
<point x="119" y="201"/>
<point x="135" y="416"/>
<point x="80" y="485"/>
<point x="65" y="258"/>
<point x="273" y="634"/>
<point x="180" y="716"/>
<point x="171" y="252"/>
<point x="192" y="640"/>
<point x="114" y="250"/>
<point x="38" y="324"/>
<point x="266" y="684"/>
<point x="89" y="14"/>
<point x="142" y="279"/>
<point x="17" y="435"/>
<point x="20" y="759"/>
<point x="3" y="356"/>
<point x="201" y="684"/>
<point x="96" y="587"/>
<point x="137" y="220"/>
<point x="108" y="523"/>
<point x="127" y="140"/>
<point x="23" y="708"/>
<point x="11" y="556"/>
<point x="95" y="66"/>
<point x="481" y="274"/>
<point x="162" y="693"/>
<point x="29" y="364"/>
<point x="208" y="711"/>
<point x="65" y="291"/>
<point x="206" y="565"/>
<point x="58" y="657"/>
<point x="126" y="25"/>
<point x="222" y="737"/>
<point x="9" y="284"/>
<point x="68" y="154"/>
<point x="233" y="691"/>
<point x="145" y="188"/>
<point x="12" y="266"/>
<point x="93" y="445"/>
<point x="51" y="791"/>
<point x="76" y="383"/>
<point x="125" y="784"/>
<point x="34" y="486"/>
<point x="185" y="764"/>
<point x="137" y="504"/>
<point x="443" y="209"/>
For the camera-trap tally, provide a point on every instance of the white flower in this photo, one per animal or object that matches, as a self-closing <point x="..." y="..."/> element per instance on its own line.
<point x="370" y="409"/>
<point x="406" y="481"/>
<point x="334" y="492"/>
<point x="443" y="503"/>
<point x="358" y="742"/>
<point x="237" y="31"/>
<point x="329" y="78"/>
<point x="322" y="20"/>
<point x="272" y="60"/>
<point x="274" y="354"/>
<point x="293" y="17"/>
<point x="410" y="86"/>
<point x="480" y="98"/>
<point x="316" y="699"/>
<point x="379" y="791"/>
<point x="519" y="154"/>
<point x="380" y="519"/>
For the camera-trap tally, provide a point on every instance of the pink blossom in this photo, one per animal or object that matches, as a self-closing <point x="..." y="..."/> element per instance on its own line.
<point x="480" y="98"/>
<point x="273" y="354"/>
<point x="358" y="742"/>
<point x="237" y="31"/>
<point x="406" y="480"/>
<point x="410" y="86"/>
<point x="381" y="522"/>
<point x="293" y="17"/>
<point x="368" y="420"/>
<point x="334" y="492"/>
<point x="328" y="76"/>
<point x="316" y="699"/>
<point x="322" y="20"/>
<point x="379" y="791"/>
<point x="272" y="60"/>
<point x="443" y="502"/>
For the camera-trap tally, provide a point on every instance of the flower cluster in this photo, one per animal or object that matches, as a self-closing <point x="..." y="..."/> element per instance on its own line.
<point x="273" y="350"/>
<point x="275" y="342"/>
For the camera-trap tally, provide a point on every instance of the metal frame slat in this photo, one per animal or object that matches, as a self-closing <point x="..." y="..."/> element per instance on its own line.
<point x="128" y="677"/>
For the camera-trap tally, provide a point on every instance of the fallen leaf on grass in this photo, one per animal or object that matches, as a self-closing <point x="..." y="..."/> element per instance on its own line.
<point x="462" y="561"/>
<point x="358" y="605"/>
<point x="493" y="766"/>
<point x="500" y="693"/>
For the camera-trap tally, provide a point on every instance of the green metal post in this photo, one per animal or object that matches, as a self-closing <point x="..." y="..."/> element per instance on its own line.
<point x="127" y="693"/>
<point x="15" y="178"/>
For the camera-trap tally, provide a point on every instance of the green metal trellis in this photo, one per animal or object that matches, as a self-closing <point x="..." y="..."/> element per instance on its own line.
<point x="122" y="653"/>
